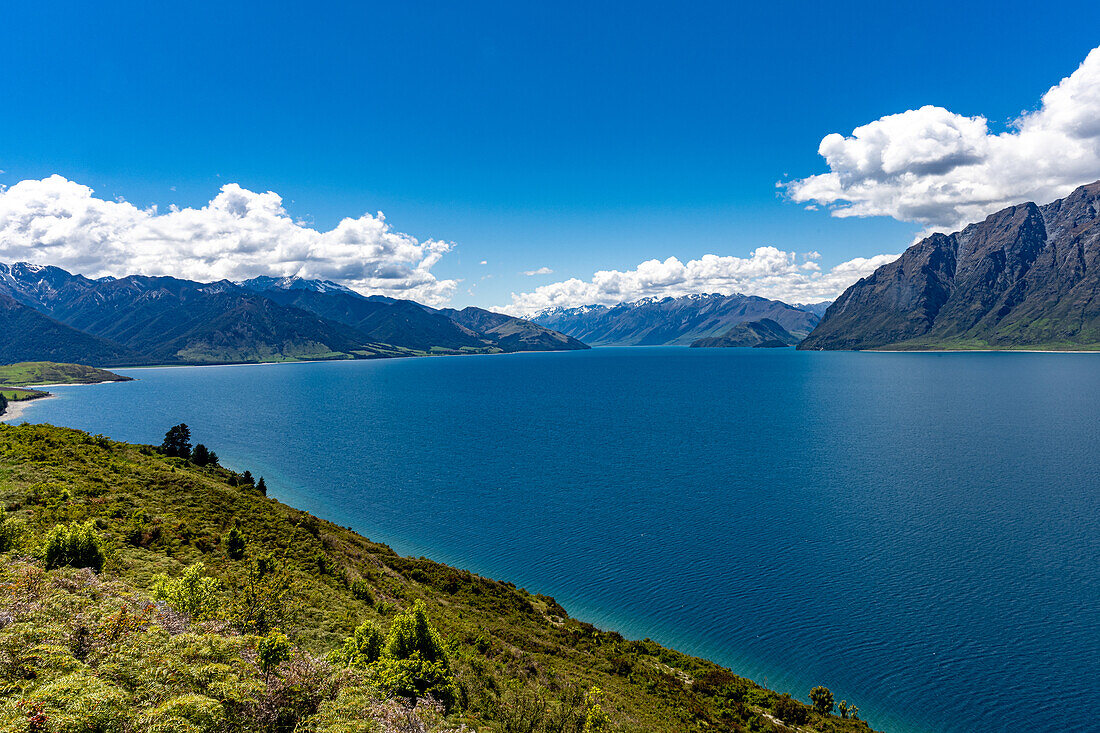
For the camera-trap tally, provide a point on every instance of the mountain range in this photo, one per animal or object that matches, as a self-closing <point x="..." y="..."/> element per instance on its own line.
<point x="672" y="321"/>
<point x="1028" y="277"/>
<point x="50" y="314"/>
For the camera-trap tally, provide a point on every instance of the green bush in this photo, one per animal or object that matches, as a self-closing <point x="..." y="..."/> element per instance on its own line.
<point x="414" y="678"/>
<point x="82" y="703"/>
<point x="790" y="710"/>
<point x="410" y="633"/>
<point x="363" y="648"/>
<point x="822" y="699"/>
<point x="234" y="544"/>
<point x="272" y="650"/>
<point x="187" y="714"/>
<point x="361" y="590"/>
<point x="193" y="593"/>
<point x="10" y="530"/>
<point x="74" y="544"/>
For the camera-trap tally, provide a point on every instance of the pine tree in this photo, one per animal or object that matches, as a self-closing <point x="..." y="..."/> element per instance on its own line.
<point x="200" y="456"/>
<point x="261" y="486"/>
<point x="177" y="441"/>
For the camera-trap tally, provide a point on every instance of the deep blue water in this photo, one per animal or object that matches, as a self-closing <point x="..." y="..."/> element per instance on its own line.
<point x="918" y="532"/>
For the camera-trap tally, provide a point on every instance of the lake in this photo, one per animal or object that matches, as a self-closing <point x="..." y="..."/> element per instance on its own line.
<point x="918" y="532"/>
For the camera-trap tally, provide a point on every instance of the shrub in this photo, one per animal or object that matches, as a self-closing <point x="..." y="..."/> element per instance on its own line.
<point x="234" y="544"/>
<point x="595" y="719"/>
<point x="74" y="544"/>
<point x="273" y="650"/>
<point x="266" y="598"/>
<point x="361" y="590"/>
<point x="81" y="702"/>
<point x="790" y="710"/>
<point x="193" y="593"/>
<point x="187" y="714"/>
<point x="414" y="678"/>
<point x="10" y="530"/>
<point x="410" y="633"/>
<point x="363" y="648"/>
<point x="822" y="700"/>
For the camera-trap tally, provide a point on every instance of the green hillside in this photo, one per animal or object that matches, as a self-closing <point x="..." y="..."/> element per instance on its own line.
<point x="201" y="575"/>
<point x="48" y="372"/>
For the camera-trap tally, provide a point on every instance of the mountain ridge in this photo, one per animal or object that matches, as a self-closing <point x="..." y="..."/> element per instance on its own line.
<point x="139" y="319"/>
<point x="1026" y="277"/>
<point x="672" y="321"/>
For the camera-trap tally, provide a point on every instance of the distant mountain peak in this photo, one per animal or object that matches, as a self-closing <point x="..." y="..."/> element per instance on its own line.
<point x="657" y="320"/>
<point x="293" y="282"/>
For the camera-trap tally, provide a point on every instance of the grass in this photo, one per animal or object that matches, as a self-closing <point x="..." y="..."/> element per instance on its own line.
<point x="19" y="395"/>
<point x="519" y="662"/>
<point x="47" y="372"/>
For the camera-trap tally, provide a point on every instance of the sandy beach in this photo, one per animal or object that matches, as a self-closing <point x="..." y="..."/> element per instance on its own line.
<point x="15" y="410"/>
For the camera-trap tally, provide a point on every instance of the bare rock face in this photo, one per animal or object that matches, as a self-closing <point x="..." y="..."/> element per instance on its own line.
<point x="1026" y="277"/>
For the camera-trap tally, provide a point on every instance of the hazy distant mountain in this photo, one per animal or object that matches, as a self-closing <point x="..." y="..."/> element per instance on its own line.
<point x="818" y="309"/>
<point x="679" y="321"/>
<point x="1026" y="277"/>
<point x="513" y="334"/>
<point x="139" y="319"/>
<point x="764" y="333"/>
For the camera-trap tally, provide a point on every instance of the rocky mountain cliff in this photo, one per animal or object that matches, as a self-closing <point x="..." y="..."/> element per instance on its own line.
<point x="1027" y="277"/>
<point x="672" y="321"/>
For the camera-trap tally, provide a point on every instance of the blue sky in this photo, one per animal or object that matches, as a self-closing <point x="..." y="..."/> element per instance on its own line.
<point x="576" y="137"/>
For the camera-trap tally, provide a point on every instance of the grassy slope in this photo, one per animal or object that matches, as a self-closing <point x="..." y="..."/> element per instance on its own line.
<point x="48" y="372"/>
<point x="511" y="648"/>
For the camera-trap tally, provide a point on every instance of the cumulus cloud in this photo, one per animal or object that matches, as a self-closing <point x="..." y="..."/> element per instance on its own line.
<point x="943" y="170"/>
<point x="768" y="271"/>
<point x="239" y="234"/>
<point x="540" y="271"/>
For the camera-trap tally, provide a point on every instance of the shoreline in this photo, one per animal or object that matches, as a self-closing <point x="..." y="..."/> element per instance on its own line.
<point x="978" y="351"/>
<point x="16" y="409"/>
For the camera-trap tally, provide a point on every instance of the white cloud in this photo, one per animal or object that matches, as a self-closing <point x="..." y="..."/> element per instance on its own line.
<point x="944" y="170"/>
<point x="540" y="271"/>
<point x="769" y="272"/>
<point x="239" y="234"/>
<point x="483" y="262"/>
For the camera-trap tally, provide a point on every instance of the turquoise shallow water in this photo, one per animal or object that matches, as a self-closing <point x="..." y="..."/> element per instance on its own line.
<point x="918" y="532"/>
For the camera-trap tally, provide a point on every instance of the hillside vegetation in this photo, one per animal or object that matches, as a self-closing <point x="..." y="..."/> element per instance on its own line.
<point x="142" y="592"/>
<point x="27" y="373"/>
